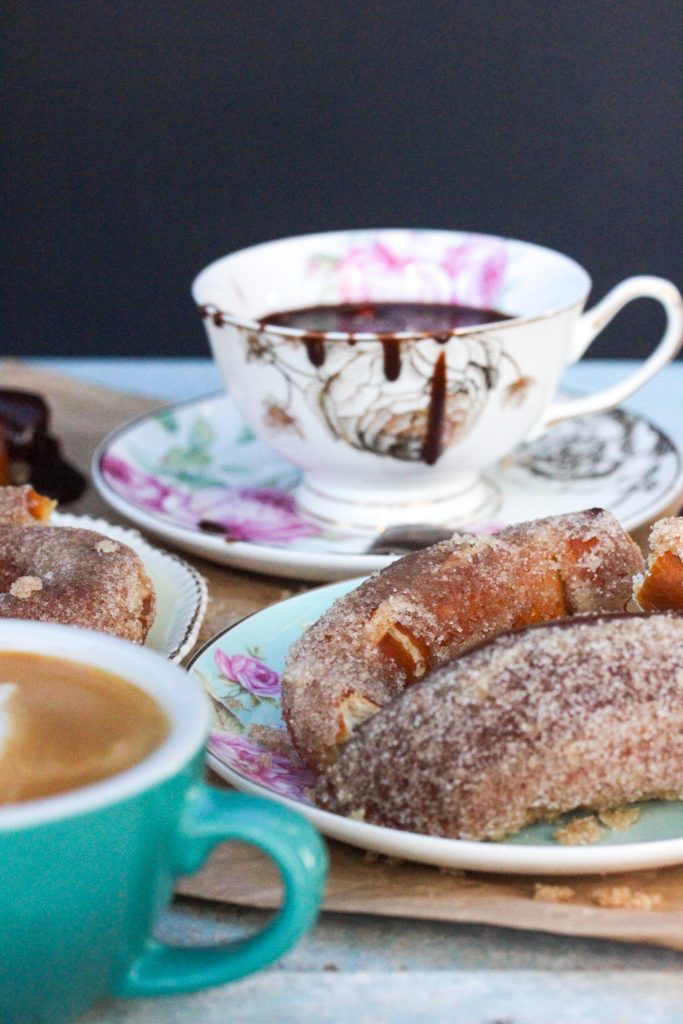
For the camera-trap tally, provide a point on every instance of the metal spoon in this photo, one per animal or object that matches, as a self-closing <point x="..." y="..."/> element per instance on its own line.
<point x="402" y="539"/>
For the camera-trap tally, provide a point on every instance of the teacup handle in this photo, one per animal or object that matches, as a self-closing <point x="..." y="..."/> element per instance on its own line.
<point x="212" y="816"/>
<point x="593" y="321"/>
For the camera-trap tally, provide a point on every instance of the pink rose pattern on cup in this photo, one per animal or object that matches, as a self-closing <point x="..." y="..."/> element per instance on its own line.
<point x="471" y="273"/>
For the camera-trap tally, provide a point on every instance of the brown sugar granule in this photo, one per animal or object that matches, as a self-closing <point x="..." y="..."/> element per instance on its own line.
<point x="619" y="818"/>
<point x="25" y="587"/>
<point x="106" y="546"/>
<point x="623" y="897"/>
<point x="579" y="832"/>
<point x="553" y="893"/>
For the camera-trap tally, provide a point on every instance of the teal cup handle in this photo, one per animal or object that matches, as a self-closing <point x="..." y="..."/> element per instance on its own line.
<point x="211" y="816"/>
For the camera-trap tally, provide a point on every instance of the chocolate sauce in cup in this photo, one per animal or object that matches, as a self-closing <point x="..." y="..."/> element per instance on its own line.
<point x="388" y="320"/>
<point x="394" y="366"/>
<point x="431" y="318"/>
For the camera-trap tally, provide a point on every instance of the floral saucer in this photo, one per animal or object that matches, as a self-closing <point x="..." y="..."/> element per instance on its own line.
<point x="195" y="476"/>
<point x="249" y="747"/>
<point x="181" y="593"/>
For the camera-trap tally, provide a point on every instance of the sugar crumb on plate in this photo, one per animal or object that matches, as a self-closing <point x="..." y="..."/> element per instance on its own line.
<point x="579" y="832"/>
<point x="623" y="897"/>
<point x="619" y="818"/>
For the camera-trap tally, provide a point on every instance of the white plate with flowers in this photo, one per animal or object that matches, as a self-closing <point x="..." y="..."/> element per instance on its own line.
<point x="194" y="475"/>
<point x="250" y="748"/>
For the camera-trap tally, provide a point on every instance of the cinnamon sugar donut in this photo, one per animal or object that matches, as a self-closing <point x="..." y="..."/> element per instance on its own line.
<point x="580" y="713"/>
<point x="76" y="577"/>
<point x="423" y="609"/>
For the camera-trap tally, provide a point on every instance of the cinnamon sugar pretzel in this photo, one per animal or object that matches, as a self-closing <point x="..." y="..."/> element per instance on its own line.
<point x="581" y="713"/>
<point x="423" y="610"/>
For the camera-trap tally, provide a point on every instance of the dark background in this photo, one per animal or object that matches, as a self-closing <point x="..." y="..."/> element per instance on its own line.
<point x="144" y="139"/>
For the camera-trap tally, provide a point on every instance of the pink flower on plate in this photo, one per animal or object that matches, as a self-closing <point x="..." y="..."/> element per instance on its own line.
<point x="140" y="488"/>
<point x="416" y="268"/>
<point x="146" y="491"/>
<point x="254" y="675"/>
<point x="275" y="771"/>
<point x="254" y="514"/>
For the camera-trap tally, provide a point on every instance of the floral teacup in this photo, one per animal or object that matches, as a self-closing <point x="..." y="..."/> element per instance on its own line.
<point x="378" y="449"/>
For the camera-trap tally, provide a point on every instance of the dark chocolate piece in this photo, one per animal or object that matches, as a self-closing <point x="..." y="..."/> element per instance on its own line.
<point x="32" y="455"/>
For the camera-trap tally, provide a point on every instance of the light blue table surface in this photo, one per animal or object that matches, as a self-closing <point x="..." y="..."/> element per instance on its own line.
<point x="367" y="970"/>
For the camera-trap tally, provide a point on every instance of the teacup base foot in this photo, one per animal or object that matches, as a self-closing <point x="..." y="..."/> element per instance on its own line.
<point x="468" y="500"/>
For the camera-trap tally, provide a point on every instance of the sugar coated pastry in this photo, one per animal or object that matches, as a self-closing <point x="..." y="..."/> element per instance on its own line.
<point x="424" y="609"/>
<point x="583" y="713"/>
<point x="76" y="577"/>
<point x="24" y="505"/>
<point x="661" y="587"/>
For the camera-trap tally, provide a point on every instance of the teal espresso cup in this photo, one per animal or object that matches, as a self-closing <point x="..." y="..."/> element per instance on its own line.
<point x="85" y="874"/>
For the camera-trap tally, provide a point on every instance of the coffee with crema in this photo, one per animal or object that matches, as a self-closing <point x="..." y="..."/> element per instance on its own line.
<point x="64" y="725"/>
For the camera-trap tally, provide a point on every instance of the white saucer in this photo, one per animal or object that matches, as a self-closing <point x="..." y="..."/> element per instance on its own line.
<point x="181" y="592"/>
<point x="240" y="669"/>
<point x="197" y="463"/>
